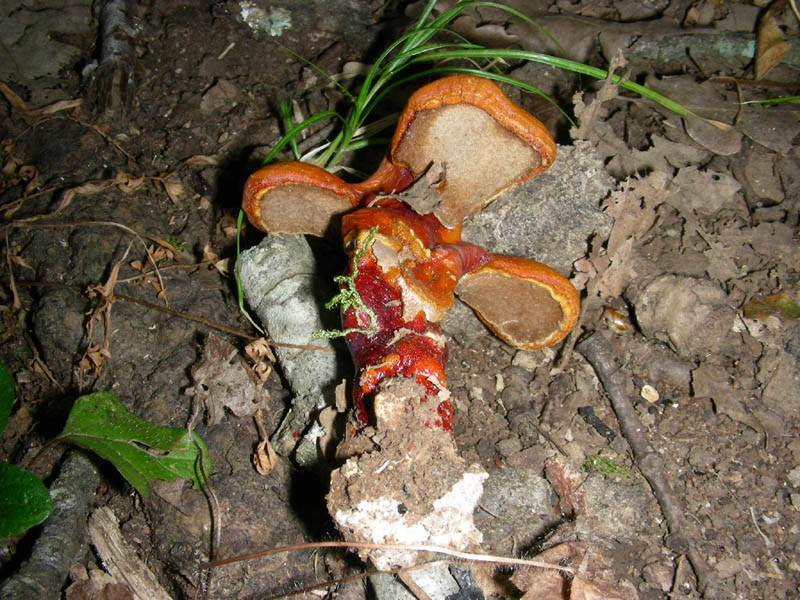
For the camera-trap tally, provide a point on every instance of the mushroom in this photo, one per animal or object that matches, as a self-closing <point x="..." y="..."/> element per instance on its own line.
<point x="296" y="197"/>
<point x="459" y="143"/>
<point x="484" y="144"/>
<point x="526" y="304"/>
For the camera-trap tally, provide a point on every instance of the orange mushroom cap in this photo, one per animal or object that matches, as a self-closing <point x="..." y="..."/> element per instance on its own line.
<point x="525" y="303"/>
<point x="296" y="197"/>
<point x="483" y="142"/>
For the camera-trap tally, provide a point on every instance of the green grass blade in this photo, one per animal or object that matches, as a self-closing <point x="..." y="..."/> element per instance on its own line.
<point x="561" y="63"/>
<point x="774" y="100"/>
<point x="525" y="19"/>
<point x="238" y="277"/>
<point x="333" y="81"/>
<point x="288" y="123"/>
<point x="292" y="133"/>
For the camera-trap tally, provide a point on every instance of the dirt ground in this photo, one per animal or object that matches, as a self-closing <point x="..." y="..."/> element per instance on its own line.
<point x="697" y="226"/>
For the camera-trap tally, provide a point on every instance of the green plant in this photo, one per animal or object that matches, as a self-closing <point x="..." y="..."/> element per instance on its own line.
<point x="24" y="501"/>
<point x="100" y="423"/>
<point x="607" y="467"/>
<point x="175" y="242"/>
<point x="348" y="296"/>
<point x="139" y="450"/>
<point x="418" y="47"/>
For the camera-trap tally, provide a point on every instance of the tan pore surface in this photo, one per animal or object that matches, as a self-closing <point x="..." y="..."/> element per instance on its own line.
<point x="297" y="208"/>
<point x="481" y="158"/>
<point x="518" y="311"/>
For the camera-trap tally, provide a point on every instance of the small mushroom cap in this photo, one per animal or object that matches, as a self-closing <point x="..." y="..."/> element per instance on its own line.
<point x="484" y="143"/>
<point x="295" y="197"/>
<point x="526" y="304"/>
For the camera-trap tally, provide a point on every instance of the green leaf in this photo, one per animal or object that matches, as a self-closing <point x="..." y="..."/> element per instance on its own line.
<point x="140" y="451"/>
<point x="24" y="501"/>
<point x="6" y="396"/>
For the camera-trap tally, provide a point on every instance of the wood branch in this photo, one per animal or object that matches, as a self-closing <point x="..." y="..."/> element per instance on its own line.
<point x="598" y="353"/>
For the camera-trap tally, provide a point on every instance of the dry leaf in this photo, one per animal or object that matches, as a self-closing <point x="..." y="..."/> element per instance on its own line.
<point x="18" y="104"/>
<point x="771" y="48"/>
<point x="21" y="262"/>
<point x="202" y="160"/>
<point x="208" y="254"/>
<point x="94" y="358"/>
<point x="174" y="188"/>
<point x="261" y="354"/>
<point x="123" y="181"/>
<point x="128" y="184"/>
<point x="223" y="380"/>
<point x="593" y="580"/>
<point x="264" y="457"/>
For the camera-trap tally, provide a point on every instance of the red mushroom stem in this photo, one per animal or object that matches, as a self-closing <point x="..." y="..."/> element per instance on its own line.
<point x="404" y="267"/>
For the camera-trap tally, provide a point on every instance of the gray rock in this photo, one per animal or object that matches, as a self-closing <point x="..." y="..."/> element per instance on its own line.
<point x="548" y="218"/>
<point x="519" y="506"/>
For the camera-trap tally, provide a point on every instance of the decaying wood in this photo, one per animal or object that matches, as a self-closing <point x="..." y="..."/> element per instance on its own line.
<point x="119" y="558"/>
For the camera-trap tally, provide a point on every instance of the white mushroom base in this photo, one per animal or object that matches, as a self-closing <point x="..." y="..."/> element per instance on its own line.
<point x="412" y="487"/>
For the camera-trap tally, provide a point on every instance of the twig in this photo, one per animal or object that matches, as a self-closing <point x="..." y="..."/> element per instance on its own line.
<point x="183" y="315"/>
<point x="468" y="556"/>
<point x="595" y="349"/>
<point x="133" y="232"/>
<point x="412" y="586"/>
<point x="767" y="541"/>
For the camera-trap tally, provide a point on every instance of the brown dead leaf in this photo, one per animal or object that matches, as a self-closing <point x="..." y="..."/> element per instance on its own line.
<point x="94" y="358"/>
<point x="423" y="195"/>
<point x="202" y="160"/>
<point x="21" y="262"/>
<point x="261" y="355"/>
<point x="227" y="225"/>
<point x="34" y="113"/>
<point x="127" y="183"/>
<point x="220" y="264"/>
<point x="593" y="580"/>
<point x="123" y="181"/>
<point x="586" y="115"/>
<point x="174" y="188"/>
<point x="771" y="47"/>
<point x="264" y="457"/>
<point x="633" y="207"/>
<point x="711" y="381"/>
<point x="224" y="381"/>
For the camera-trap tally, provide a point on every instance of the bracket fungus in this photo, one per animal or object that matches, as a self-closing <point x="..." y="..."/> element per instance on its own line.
<point x="458" y="144"/>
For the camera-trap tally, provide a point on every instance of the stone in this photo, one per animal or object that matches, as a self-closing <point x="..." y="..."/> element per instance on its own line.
<point x="549" y="217"/>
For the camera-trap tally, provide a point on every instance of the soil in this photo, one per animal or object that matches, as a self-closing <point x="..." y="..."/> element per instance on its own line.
<point x="701" y="223"/>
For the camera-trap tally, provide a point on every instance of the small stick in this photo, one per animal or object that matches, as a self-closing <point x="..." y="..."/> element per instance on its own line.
<point x="183" y="315"/>
<point x="464" y="556"/>
<point x="597" y="352"/>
